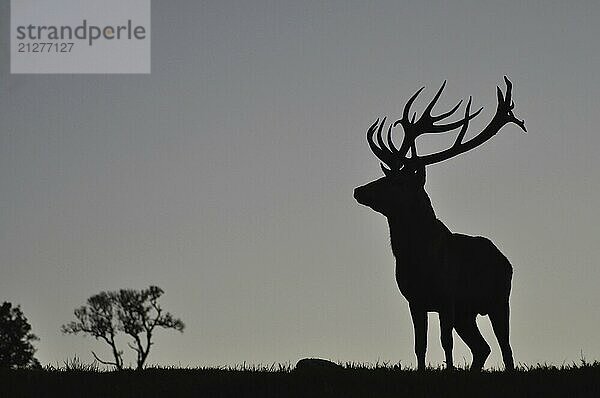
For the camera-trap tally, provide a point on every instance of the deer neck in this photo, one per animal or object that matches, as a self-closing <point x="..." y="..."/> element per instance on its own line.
<point x="413" y="232"/>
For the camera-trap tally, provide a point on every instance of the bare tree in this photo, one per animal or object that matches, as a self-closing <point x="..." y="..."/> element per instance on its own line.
<point x="455" y="275"/>
<point x="136" y="313"/>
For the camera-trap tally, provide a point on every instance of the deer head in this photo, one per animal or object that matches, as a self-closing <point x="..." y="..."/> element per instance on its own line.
<point x="404" y="178"/>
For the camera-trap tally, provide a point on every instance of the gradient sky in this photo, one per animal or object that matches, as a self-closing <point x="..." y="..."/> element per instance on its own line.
<point x="226" y="177"/>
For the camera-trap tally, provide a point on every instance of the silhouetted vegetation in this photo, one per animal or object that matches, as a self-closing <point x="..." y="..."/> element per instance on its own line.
<point x="16" y="348"/>
<point x="133" y="312"/>
<point x="75" y="380"/>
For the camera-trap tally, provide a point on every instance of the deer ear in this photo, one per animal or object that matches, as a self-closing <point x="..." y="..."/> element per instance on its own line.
<point x="385" y="170"/>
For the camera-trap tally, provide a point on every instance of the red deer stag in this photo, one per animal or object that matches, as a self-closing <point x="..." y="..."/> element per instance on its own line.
<point x="458" y="276"/>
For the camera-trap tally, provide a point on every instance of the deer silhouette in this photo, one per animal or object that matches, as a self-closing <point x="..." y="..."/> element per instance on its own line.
<point x="458" y="276"/>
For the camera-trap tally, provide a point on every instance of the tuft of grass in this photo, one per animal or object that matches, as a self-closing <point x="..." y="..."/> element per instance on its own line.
<point x="74" y="364"/>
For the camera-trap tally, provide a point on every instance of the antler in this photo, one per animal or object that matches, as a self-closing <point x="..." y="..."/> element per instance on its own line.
<point x="425" y="124"/>
<point x="395" y="159"/>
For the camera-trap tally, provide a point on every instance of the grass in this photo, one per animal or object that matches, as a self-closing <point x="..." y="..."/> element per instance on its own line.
<point x="76" y="379"/>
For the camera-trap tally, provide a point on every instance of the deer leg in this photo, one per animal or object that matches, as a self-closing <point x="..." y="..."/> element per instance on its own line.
<point x="419" y="318"/>
<point x="446" y="326"/>
<point x="466" y="327"/>
<point x="499" y="318"/>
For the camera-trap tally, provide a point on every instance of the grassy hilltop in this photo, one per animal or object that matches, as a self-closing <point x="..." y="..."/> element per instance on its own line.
<point x="282" y="381"/>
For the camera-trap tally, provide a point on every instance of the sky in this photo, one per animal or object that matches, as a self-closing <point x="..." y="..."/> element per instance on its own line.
<point x="226" y="177"/>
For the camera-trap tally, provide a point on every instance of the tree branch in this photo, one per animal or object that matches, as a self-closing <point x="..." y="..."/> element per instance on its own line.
<point x="105" y="362"/>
